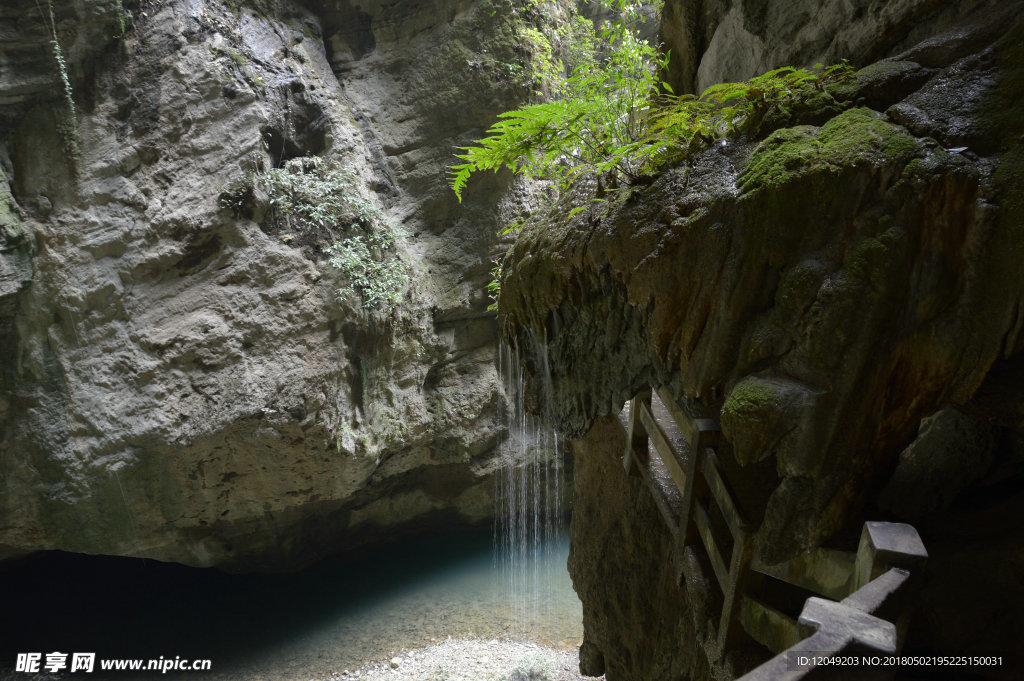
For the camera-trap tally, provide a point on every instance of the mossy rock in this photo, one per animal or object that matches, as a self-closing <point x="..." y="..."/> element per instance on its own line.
<point x="760" y="413"/>
<point x="882" y="84"/>
<point x="855" y="137"/>
<point x="15" y="237"/>
<point x="814" y="109"/>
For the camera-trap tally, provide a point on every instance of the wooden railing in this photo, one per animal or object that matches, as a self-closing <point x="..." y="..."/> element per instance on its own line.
<point x="685" y="446"/>
<point x="697" y="501"/>
<point x="867" y="627"/>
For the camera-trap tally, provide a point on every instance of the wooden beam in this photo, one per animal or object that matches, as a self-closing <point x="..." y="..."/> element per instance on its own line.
<point x="660" y="501"/>
<point x="739" y="565"/>
<point x="673" y="462"/>
<point x="703" y="523"/>
<point x="722" y="494"/>
<point x="699" y="432"/>
<point x="688" y="494"/>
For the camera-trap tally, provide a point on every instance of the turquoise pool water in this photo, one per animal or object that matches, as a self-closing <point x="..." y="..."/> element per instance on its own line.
<point x="337" y="615"/>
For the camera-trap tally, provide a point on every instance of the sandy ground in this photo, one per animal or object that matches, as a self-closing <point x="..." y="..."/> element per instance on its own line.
<point x="473" y="660"/>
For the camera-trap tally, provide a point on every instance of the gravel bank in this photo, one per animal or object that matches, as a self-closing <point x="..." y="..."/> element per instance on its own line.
<point x="473" y="660"/>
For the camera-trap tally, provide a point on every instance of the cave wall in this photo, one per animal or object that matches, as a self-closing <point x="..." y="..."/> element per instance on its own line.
<point x="841" y="290"/>
<point x="178" y="383"/>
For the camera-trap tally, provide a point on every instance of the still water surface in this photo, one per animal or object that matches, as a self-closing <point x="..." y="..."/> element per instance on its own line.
<point x="332" y="617"/>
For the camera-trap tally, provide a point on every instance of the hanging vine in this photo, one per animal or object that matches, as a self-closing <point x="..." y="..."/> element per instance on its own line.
<point x="68" y="125"/>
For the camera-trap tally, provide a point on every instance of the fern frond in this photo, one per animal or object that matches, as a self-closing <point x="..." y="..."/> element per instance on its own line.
<point x="460" y="176"/>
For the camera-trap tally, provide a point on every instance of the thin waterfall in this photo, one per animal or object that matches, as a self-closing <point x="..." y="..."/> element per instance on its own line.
<point x="528" y="498"/>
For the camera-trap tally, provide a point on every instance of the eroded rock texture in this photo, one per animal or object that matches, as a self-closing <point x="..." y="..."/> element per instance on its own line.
<point x="617" y="530"/>
<point x="830" y="289"/>
<point x="178" y="383"/>
<point x="714" y="41"/>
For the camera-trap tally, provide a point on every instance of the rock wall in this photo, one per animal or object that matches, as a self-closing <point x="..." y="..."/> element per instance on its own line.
<point x="617" y="530"/>
<point x="714" y="41"/>
<point x="842" y="290"/>
<point x="181" y="384"/>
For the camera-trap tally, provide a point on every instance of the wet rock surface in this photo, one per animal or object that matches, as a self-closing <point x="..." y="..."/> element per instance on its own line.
<point x="821" y="290"/>
<point x="617" y="530"/>
<point x="183" y="384"/>
<point x="728" y="40"/>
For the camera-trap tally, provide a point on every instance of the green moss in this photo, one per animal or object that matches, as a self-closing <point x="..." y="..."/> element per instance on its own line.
<point x="13" y="233"/>
<point x="852" y="138"/>
<point x="873" y="77"/>
<point x="798" y="285"/>
<point x="254" y="78"/>
<point x="780" y="157"/>
<point x="870" y="259"/>
<point x="240" y="66"/>
<point x="862" y="133"/>
<point x="236" y="57"/>
<point x="750" y="400"/>
<point x="813" y="107"/>
<point x="231" y="54"/>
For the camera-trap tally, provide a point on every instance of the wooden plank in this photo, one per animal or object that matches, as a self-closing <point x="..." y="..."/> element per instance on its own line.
<point x="659" y="500"/>
<point x="668" y="454"/>
<point x="739" y="564"/>
<point x="636" y="440"/>
<point x="692" y="432"/>
<point x="766" y="625"/>
<point x="699" y="432"/>
<point x="703" y="524"/>
<point x="722" y="494"/>
<point x="688" y="493"/>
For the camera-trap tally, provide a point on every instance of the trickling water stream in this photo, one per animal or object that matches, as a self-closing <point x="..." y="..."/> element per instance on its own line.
<point x="530" y="497"/>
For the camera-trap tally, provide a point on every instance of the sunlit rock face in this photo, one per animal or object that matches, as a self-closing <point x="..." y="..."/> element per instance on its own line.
<point x="180" y="384"/>
<point x="728" y="40"/>
<point x="842" y="292"/>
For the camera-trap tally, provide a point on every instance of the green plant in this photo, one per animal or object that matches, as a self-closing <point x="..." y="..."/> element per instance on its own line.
<point x="594" y="122"/>
<point x="683" y="126"/>
<point x="614" y="115"/>
<point x="235" y="56"/>
<point x="123" y="17"/>
<point x="363" y="261"/>
<point x="494" y="285"/>
<point x="68" y="125"/>
<point x="313" y="197"/>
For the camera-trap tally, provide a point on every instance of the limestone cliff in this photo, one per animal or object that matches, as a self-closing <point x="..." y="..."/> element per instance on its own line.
<point x="714" y="41"/>
<point x="180" y="383"/>
<point x="831" y="288"/>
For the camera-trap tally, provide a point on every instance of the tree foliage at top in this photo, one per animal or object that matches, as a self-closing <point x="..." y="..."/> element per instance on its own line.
<point x="614" y="114"/>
